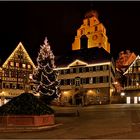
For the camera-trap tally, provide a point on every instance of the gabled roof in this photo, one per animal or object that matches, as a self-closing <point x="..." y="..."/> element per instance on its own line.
<point x="87" y="56"/>
<point x="77" y="63"/>
<point x="12" y="54"/>
<point x="138" y="57"/>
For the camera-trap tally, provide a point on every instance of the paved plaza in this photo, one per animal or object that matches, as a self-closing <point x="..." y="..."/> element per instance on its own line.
<point x="120" y="121"/>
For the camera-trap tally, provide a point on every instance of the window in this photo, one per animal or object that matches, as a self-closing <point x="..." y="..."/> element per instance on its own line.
<point x="17" y="64"/>
<point x="87" y="69"/>
<point x="6" y="73"/>
<point x="29" y="66"/>
<point x="62" y="71"/>
<point x="105" y="79"/>
<point x="3" y="85"/>
<point x="7" y="86"/>
<point x="96" y="28"/>
<point x="98" y="91"/>
<point x="65" y="81"/>
<point x="97" y="80"/>
<point x="65" y="71"/>
<point x="80" y="70"/>
<point x="87" y="80"/>
<point x="74" y="70"/>
<point x="68" y="71"/>
<point x="10" y="85"/>
<point x="13" y="73"/>
<point x="84" y="81"/>
<point x="105" y="67"/>
<point x="77" y="70"/>
<point x="77" y="81"/>
<point x="62" y="82"/>
<point x="71" y="70"/>
<point x="68" y="81"/>
<point x="90" y="68"/>
<point x="81" y="32"/>
<point x="90" y="80"/>
<point x="93" y="68"/>
<point x="23" y="65"/>
<point x="14" y="86"/>
<point x="101" y="79"/>
<point x="97" y="68"/>
<point x="83" y="69"/>
<point x="71" y="81"/>
<point x="84" y="42"/>
<point x="94" y="79"/>
<point x="12" y="64"/>
<point x="30" y="76"/>
<point x="20" y="56"/>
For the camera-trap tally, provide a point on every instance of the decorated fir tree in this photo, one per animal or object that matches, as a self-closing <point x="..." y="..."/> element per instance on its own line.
<point x="45" y="77"/>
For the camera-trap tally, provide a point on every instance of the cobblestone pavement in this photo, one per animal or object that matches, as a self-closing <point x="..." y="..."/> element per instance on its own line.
<point x="94" y="122"/>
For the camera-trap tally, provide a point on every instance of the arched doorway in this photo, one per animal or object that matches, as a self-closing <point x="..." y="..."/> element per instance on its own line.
<point x="79" y="98"/>
<point x="84" y="42"/>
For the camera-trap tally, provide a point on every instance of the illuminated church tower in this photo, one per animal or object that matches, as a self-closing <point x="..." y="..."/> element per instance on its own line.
<point x="91" y="33"/>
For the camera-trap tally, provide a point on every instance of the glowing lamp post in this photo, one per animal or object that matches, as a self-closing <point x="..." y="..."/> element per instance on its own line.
<point x="122" y="94"/>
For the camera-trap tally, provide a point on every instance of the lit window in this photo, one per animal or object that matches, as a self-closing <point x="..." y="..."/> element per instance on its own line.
<point x="77" y="81"/>
<point x="90" y="80"/>
<point x="11" y="63"/>
<point x="23" y="65"/>
<point x="29" y="66"/>
<point x="17" y="64"/>
<point x="30" y="76"/>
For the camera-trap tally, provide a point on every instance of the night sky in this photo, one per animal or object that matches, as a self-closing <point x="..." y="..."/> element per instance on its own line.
<point x="30" y="22"/>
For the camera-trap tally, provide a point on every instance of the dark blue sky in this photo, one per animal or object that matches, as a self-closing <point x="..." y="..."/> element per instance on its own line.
<point x="30" y="22"/>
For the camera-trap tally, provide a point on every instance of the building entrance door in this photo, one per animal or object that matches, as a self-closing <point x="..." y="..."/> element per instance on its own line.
<point x="80" y="99"/>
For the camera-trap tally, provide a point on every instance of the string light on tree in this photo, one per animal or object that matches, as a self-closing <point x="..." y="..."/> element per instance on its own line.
<point x="45" y="77"/>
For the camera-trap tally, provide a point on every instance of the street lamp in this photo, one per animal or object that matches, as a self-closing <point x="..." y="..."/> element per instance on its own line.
<point x="122" y="94"/>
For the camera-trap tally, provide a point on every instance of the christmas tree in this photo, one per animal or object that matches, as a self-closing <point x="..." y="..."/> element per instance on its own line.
<point x="45" y="77"/>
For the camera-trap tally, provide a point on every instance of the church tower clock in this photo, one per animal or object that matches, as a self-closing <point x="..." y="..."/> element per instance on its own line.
<point x="91" y="33"/>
